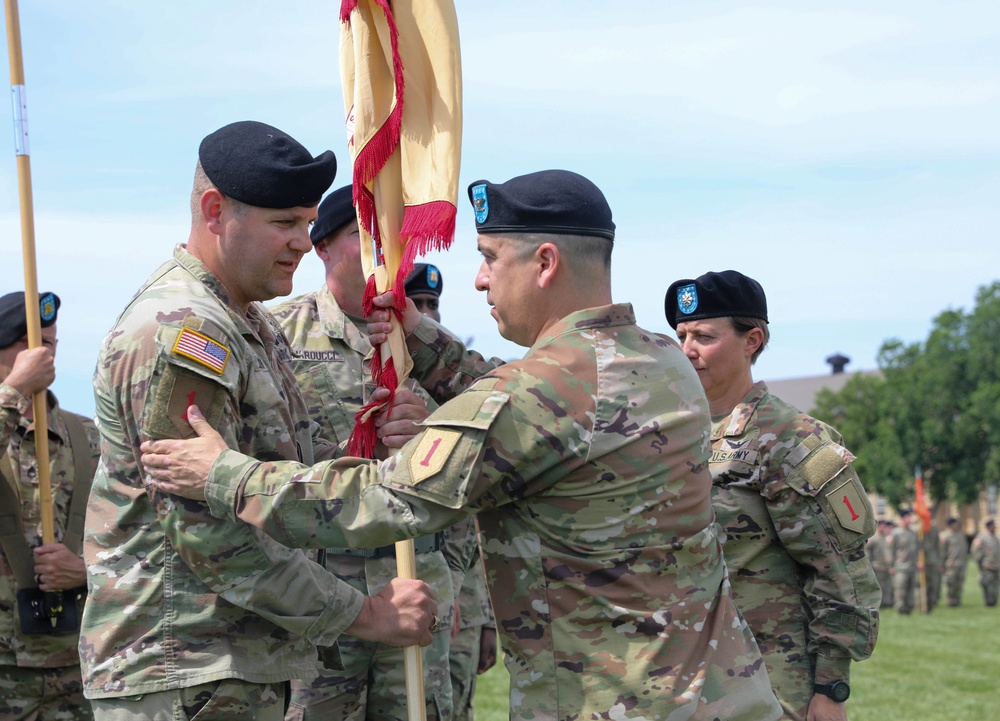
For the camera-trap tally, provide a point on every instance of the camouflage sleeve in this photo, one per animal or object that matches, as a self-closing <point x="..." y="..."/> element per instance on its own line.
<point x="435" y="481"/>
<point x="238" y="563"/>
<point x="13" y="406"/>
<point x="823" y="517"/>
<point x="460" y="551"/>
<point x="94" y="438"/>
<point x="442" y="363"/>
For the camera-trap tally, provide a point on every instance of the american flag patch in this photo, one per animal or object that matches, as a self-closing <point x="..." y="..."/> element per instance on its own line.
<point x="202" y="349"/>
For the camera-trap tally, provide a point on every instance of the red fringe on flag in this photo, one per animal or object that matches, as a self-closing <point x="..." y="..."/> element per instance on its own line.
<point x="373" y="156"/>
<point x="429" y="226"/>
<point x="364" y="437"/>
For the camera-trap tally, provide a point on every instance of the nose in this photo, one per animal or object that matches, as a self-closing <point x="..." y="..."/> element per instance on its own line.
<point x="482" y="279"/>
<point x="688" y="347"/>
<point x="301" y="242"/>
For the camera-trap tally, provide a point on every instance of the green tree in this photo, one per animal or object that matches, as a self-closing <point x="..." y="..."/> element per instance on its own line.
<point x="936" y="405"/>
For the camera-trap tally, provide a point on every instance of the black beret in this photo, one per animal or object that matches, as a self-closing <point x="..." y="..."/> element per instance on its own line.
<point x="259" y="165"/>
<point x="425" y="278"/>
<point x="549" y="201"/>
<point x="336" y="211"/>
<point x="715" y="295"/>
<point x="14" y="322"/>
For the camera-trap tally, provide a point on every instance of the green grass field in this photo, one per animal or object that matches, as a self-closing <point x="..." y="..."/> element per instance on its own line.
<point x="942" y="666"/>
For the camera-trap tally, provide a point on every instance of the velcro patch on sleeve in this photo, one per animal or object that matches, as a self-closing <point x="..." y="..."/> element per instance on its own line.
<point x="848" y="504"/>
<point x="822" y="466"/>
<point x="201" y="349"/>
<point x="432" y="452"/>
<point x="165" y="415"/>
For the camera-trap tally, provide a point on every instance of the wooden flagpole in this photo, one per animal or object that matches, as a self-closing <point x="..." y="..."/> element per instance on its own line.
<point x="31" y="306"/>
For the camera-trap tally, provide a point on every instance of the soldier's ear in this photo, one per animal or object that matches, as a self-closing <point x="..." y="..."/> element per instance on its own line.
<point x="212" y="201"/>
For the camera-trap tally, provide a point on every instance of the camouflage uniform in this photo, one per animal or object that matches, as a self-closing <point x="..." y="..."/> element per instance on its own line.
<point x="476" y="614"/>
<point x="881" y="557"/>
<point x="29" y="662"/>
<point x="905" y="584"/>
<point x="933" y="566"/>
<point x="328" y="358"/>
<point x="587" y="463"/>
<point x="956" y="557"/>
<point x="177" y="598"/>
<point x="796" y="519"/>
<point x="986" y="554"/>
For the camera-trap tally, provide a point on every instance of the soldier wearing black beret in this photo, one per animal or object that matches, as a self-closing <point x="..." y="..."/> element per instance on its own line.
<point x="795" y="515"/>
<point x="234" y="608"/>
<point x="423" y="287"/>
<point x="40" y="664"/>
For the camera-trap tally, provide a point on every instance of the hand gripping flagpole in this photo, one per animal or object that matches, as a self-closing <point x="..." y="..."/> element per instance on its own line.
<point x="31" y="306"/>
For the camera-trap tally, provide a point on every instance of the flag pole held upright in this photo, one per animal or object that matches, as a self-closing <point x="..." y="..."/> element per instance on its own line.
<point x="31" y="307"/>
<point x="405" y="161"/>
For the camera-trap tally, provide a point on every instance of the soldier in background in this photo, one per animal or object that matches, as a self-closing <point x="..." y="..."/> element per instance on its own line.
<point x="329" y="343"/>
<point x="955" y="549"/>
<point x="190" y="616"/>
<point x="795" y="515"/>
<point x="905" y="562"/>
<point x="986" y="554"/>
<point x="586" y="462"/>
<point x="39" y="663"/>
<point x="934" y="565"/>
<point x="880" y="553"/>
<point x="474" y="646"/>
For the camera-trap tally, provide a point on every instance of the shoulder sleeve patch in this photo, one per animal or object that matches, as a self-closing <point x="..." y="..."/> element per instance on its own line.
<point x="201" y="349"/>
<point x="444" y="462"/>
<point x="849" y="504"/>
<point x="827" y="475"/>
<point x="432" y="453"/>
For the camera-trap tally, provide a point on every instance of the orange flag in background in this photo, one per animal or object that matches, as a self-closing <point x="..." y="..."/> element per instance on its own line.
<point x="401" y="71"/>
<point x="920" y="506"/>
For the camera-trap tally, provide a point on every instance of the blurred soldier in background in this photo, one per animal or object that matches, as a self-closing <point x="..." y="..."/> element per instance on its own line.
<point x="39" y="661"/>
<point x="956" y="557"/>
<point x="986" y="554"/>
<point x="905" y="562"/>
<point x="880" y="553"/>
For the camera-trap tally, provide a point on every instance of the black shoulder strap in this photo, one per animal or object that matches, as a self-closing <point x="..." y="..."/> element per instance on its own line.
<point x="80" y="446"/>
<point x="16" y="549"/>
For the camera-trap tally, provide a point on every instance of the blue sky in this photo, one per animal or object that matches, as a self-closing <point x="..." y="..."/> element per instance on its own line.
<point x="845" y="156"/>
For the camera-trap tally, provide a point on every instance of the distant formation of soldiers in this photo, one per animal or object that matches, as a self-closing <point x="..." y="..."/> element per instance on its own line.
<point x="908" y="562"/>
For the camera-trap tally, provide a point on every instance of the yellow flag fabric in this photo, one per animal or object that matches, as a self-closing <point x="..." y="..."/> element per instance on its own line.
<point x="401" y="71"/>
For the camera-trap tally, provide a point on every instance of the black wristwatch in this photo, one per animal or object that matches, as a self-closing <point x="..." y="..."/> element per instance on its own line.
<point x="839" y="691"/>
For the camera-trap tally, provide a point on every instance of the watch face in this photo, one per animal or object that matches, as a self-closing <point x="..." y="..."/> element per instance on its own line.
<point x="840" y="691"/>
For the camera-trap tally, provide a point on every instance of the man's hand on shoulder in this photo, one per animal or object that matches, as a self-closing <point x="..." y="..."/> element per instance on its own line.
<point x="181" y="467"/>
